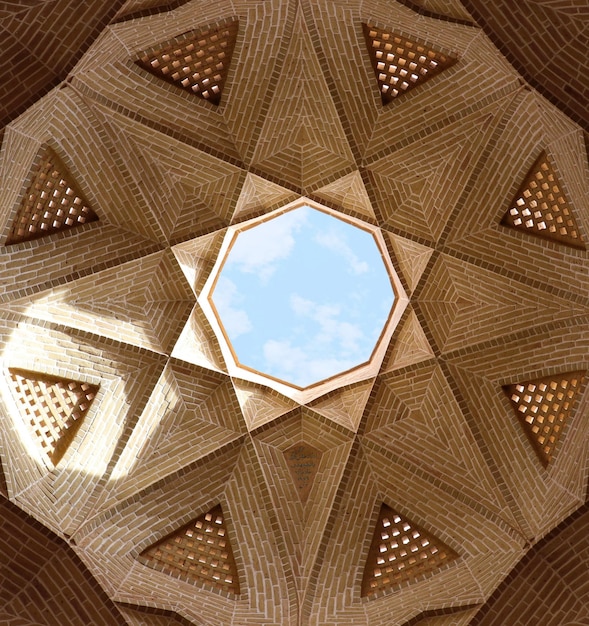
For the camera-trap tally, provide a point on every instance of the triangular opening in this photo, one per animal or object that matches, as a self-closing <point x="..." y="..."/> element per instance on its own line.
<point x="51" y="203"/>
<point x="540" y="207"/>
<point x="53" y="407"/>
<point x="401" y="551"/>
<point x="543" y="407"/>
<point x="401" y="64"/>
<point x="303" y="463"/>
<point x="199" y="551"/>
<point x="198" y="63"/>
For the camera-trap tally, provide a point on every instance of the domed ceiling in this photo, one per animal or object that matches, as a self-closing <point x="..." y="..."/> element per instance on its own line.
<point x="401" y="494"/>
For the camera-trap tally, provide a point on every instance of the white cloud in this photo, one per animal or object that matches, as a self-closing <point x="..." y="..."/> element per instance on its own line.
<point x="235" y="320"/>
<point x="330" y="329"/>
<point x="337" y="244"/>
<point x="327" y="346"/>
<point x="296" y="365"/>
<point x="257" y="250"/>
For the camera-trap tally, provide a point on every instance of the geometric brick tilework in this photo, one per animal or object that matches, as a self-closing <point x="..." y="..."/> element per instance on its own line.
<point x="401" y="64"/>
<point x="543" y="407"/>
<point x="53" y="407"/>
<point x="540" y="207"/>
<point x="559" y="561"/>
<point x="197" y="64"/>
<point x="199" y="551"/>
<point x="52" y="202"/>
<point x="401" y="551"/>
<point x="42" y="580"/>
<point x="303" y="463"/>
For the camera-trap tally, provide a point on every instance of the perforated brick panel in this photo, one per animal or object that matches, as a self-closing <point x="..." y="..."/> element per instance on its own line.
<point x="52" y="202"/>
<point x="401" y="64"/>
<point x="54" y="408"/>
<point x="198" y="63"/>
<point x="401" y="551"/>
<point x="543" y="407"/>
<point x="540" y="207"/>
<point x="199" y="551"/>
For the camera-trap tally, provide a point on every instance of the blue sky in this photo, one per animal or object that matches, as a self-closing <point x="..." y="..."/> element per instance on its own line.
<point x="303" y="296"/>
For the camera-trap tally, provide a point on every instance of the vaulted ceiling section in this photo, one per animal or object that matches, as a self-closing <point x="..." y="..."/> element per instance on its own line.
<point x="142" y="482"/>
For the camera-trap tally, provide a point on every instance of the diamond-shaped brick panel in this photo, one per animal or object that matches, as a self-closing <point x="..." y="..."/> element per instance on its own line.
<point x="400" y="552"/>
<point x="303" y="463"/>
<point x="540" y="207"/>
<point x="543" y="407"/>
<point x="401" y="64"/>
<point x="199" y="551"/>
<point x="198" y="63"/>
<point x="53" y="408"/>
<point x="52" y="202"/>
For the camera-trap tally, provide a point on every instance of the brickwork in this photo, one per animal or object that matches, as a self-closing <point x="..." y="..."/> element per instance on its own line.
<point x="400" y="552"/>
<point x="51" y="203"/>
<point x="53" y="408"/>
<point x="133" y="9"/>
<point x="401" y="64"/>
<point x="303" y="463"/>
<point x="145" y="301"/>
<point x="543" y="407"/>
<point x="293" y="142"/>
<point x="42" y="59"/>
<point x="42" y="581"/>
<point x="556" y="562"/>
<point x="540" y="207"/>
<point x="441" y="9"/>
<point x="200" y="551"/>
<point x="173" y="431"/>
<point x="473" y="301"/>
<point x="530" y="490"/>
<point x="198" y="63"/>
<point x="517" y="31"/>
<point x="142" y="615"/>
<point x="529" y="125"/>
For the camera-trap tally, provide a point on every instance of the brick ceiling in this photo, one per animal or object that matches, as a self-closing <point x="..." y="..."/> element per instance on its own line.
<point x="140" y="482"/>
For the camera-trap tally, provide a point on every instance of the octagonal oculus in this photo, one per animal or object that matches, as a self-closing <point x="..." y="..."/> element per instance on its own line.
<point x="302" y="296"/>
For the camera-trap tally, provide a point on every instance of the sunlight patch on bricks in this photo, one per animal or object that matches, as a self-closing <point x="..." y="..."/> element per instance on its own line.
<point x="54" y="408"/>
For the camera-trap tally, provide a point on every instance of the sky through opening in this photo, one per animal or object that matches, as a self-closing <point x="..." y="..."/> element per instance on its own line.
<point x="303" y="296"/>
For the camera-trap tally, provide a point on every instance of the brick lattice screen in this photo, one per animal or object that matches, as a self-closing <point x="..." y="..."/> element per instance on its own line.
<point x="52" y="202"/>
<point x="401" y="64"/>
<point x="540" y="207"/>
<point x="400" y="552"/>
<point x="199" y="551"/>
<point x="54" y="408"/>
<point x="543" y="407"/>
<point x="198" y="64"/>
